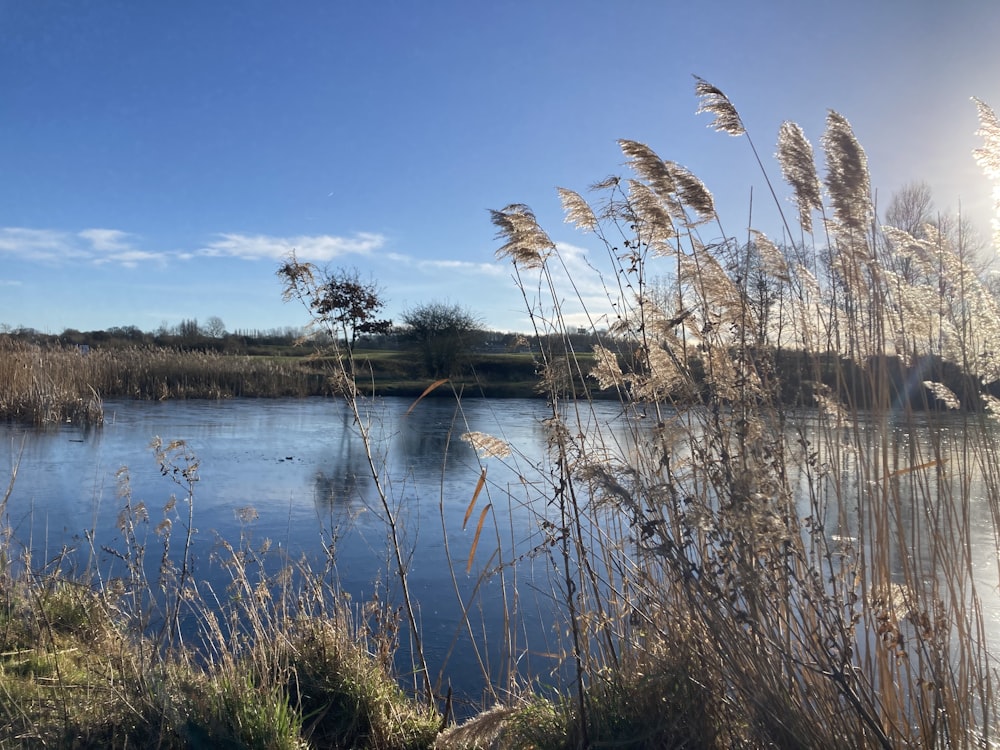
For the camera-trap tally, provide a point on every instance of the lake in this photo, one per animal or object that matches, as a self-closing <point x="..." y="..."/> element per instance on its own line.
<point x="302" y="468"/>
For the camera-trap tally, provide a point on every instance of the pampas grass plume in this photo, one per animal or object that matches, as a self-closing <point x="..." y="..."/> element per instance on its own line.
<point x="713" y="101"/>
<point x="795" y="155"/>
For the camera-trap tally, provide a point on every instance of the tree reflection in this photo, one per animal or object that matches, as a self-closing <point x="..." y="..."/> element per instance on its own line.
<point x="345" y="479"/>
<point x="342" y="486"/>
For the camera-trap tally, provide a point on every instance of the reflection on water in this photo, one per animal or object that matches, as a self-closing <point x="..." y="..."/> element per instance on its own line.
<point x="345" y="486"/>
<point x="343" y="480"/>
<point x="304" y="470"/>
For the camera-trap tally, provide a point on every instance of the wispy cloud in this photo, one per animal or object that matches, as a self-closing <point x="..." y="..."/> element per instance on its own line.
<point x="132" y="258"/>
<point x="96" y="246"/>
<point x="10" y="282"/>
<point x="116" y="246"/>
<point x="106" y="240"/>
<point x="320" y="248"/>
<point x="39" y="245"/>
<point x="584" y="294"/>
<point x="103" y="246"/>
<point x="464" y="267"/>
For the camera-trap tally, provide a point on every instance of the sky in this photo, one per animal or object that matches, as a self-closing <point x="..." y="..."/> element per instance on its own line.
<point x="159" y="159"/>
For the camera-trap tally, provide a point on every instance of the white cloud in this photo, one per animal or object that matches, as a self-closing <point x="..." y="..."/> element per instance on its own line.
<point x="467" y="268"/>
<point x="98" y="246"/>
<point x="464" y="267"/>
<point x="319" y="248"/>
<point x="106" y="240"/>
<point x="45" y="245"/>
<point x="131" y="258"/>
<point x="583" y="294"/>
<point x="116" y="246"/>
<point x="9" y="282"/>
<point x="103" y="246"/>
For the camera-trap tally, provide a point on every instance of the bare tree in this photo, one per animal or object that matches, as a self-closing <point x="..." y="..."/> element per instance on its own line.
<point x="188" y="331"/>
<point x="910" y="208"/>
<point x="215" y="328"/>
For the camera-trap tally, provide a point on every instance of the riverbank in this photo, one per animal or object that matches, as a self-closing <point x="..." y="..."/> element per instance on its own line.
<point x="54" y="384"/>
<point x="297" y="462"/>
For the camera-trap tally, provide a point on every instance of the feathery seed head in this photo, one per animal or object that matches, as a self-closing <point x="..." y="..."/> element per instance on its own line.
<point x="992" y="404"/>
<point x="649" y="166"/>
<point x="606" y="369"/>
<point x="943" y="393"/>
<point x="607" y="183"/>
<point x="663" y="375"/>
<point x="487" y="446"/>
<point x="795" y="155"/>
<point x="654" y="215"/>
<point x="692" y="191"/>
<point x="830" y="406"/>
<point x="526" y="243"/>
<point x="847" y="178"/>
<point x="713" y="101"/>
<point x="673" y="183"/>
<point x="772" y="260"/>
<point x="578" y="211"/>
<point x="988" y="158"/>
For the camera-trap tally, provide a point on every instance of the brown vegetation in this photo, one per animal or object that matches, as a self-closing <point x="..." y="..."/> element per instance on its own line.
<point x="43" y="384"/>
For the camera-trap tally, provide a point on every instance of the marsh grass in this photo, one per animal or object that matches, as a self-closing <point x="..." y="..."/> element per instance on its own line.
<point x="743" y="561"/>
<point x="55" y="384"/>
<point x="139" y="652"/>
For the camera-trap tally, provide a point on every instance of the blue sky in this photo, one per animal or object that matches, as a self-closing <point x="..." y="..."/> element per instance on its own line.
<point x="158" y="158"/>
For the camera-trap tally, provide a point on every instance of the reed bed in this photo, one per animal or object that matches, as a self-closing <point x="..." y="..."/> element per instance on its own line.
<point x="53" y="384"/>
<point x="744" y="561"/>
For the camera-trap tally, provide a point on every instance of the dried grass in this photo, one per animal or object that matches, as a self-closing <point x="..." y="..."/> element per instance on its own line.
<point x="53" y="384"/>
<point x="792" y="545"/>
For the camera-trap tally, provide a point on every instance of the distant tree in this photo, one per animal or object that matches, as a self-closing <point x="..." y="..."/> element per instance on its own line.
<point x="341" y="303"/>
<point x="126" y="333"/>
<point x="910" y="208"/>
<point x="215" y="328"/>
<point x="188" y="331"/>
<point x="72" y="336"/>
<point x="444" y="334"/>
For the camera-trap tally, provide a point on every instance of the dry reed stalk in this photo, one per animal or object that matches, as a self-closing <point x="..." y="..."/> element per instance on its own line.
<point x="49" y="384"/>
<point x="823" y="559"/>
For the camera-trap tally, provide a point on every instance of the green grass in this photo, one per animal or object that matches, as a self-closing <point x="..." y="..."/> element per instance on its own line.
<point x="75" y="672"/>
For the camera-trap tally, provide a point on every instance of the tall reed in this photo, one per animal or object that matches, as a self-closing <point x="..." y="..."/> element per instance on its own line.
<point x="53" y="384"/>
<point x="771" y="555"/>
<point x="304" y="283"/>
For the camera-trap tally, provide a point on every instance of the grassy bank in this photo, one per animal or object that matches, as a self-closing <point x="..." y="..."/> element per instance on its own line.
<point x="52" y="383"/>
<point x="152" y="657"/>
